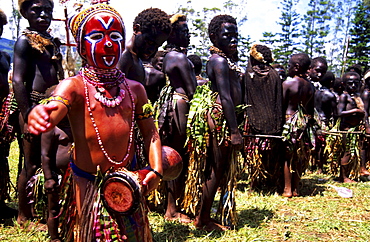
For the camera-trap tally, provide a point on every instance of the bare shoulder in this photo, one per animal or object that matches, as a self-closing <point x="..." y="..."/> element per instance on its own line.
<point x="135" y="86"/>
<point x="174" y="55"/>
<point x="217" y="63"/>
<point x="70" y="85"/>
<point x="216" y="59"/>
<point x="288" y="83"/>
<point x="22" y="44"/>
<point x="175" y="60"/>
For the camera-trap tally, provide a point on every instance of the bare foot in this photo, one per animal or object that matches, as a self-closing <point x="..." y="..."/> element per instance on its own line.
<point x="295" y="193"/>
<point x="22" y="221"/>
<point x="364" y="172"/>
<point x="179" y="217"/>
<point x="210" y="226"/>
<point x="287" y="193"/>
<point x="347" y="180"/>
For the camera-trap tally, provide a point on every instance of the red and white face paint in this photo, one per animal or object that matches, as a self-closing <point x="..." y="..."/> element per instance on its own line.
<point x="103" y="40"/>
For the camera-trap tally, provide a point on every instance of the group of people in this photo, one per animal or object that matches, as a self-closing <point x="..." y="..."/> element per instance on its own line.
<point x="87" y="133"/>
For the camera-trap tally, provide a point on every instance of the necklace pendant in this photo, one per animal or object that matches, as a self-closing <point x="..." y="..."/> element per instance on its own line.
<point x="109" y="102"/>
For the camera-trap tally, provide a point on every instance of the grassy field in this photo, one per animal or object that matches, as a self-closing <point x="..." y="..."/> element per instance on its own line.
<point x="320" y="214"/>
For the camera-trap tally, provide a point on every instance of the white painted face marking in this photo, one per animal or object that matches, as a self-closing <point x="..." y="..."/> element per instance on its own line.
<point x="106" y="25"/>
<point x="109" y="63"/>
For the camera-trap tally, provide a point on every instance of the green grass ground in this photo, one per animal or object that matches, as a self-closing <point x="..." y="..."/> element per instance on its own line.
<point x="320" y="214"/>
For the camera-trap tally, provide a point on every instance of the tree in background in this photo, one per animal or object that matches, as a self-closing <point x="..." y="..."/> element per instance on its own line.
<point x="198" y="25"/>
<point x="286" y="42"/>
<point x="359" y="44"/>
<point x="198" y="21"/>
<point x="337" y="38"/>
<point x="15" y="20"/>
<point x="316" y="26"/>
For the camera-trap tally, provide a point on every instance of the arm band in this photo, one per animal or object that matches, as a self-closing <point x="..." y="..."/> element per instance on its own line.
<point x="157" y="173"/>
<point x="58" y="99"/>
<point x="144" y="115"/>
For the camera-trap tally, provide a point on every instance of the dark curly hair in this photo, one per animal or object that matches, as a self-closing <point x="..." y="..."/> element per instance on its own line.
<point x="3" y="19"/>
<point x="266" y="52"/>
<point x="356" y="68"/>
<point x="26" y="4"/>
<point x="197" y="62"/>
<point x="215" y="24"/>
<point x="153" y="19"/>
<point x="318" y="60"/>
<point x="328" y="79"/>
<point x="302" y="59"/>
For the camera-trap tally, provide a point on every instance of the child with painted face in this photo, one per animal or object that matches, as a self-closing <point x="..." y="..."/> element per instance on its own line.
<point x="102" y="106"/>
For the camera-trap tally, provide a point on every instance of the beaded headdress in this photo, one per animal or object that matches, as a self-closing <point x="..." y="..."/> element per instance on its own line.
<point x="77" y="22"/>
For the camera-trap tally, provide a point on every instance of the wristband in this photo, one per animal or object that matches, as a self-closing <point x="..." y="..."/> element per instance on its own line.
<point x="156" y="172"/>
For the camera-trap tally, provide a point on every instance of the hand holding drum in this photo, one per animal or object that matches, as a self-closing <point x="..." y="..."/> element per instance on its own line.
<point x="171" y="164"/>
<point x="121" y="191"/>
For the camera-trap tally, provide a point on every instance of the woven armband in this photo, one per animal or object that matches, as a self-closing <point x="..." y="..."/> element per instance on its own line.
<point x="58" y="99"/>
<point x="148" y="112"/>
<point x="145" y="115"/>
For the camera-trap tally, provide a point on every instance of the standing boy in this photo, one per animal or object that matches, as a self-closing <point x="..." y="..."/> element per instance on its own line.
<point x="351" y="111"/>
<point x="37" y="66"/>
<point x="102" y="106"/>
<point x="298" y="107"/>
<point x="172" y="121"/>
<point x="224" y="136"/>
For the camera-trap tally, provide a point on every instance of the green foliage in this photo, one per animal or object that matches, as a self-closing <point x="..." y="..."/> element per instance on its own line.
<point x="317" y="26"/>
<point x="285" y="42"/>
<point x="359" y="47"/>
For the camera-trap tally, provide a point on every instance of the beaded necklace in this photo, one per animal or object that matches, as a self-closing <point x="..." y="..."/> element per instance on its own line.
<point x="100" y="142"/>
<point x="232" y="64"/>
<point x="111" y="77"/>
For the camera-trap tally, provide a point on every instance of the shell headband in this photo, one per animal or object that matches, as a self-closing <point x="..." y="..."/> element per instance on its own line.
<point x="77" y="22"/>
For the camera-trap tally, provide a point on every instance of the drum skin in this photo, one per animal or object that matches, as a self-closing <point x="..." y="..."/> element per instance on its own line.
<point x="121" y="190"/>
<point x="121" y="193"/>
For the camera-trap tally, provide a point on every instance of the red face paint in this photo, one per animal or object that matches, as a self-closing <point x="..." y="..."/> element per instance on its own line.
<point x="104" y="41"/>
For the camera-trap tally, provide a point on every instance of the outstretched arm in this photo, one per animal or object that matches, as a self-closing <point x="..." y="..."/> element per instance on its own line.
<point x="44" y="118"/>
